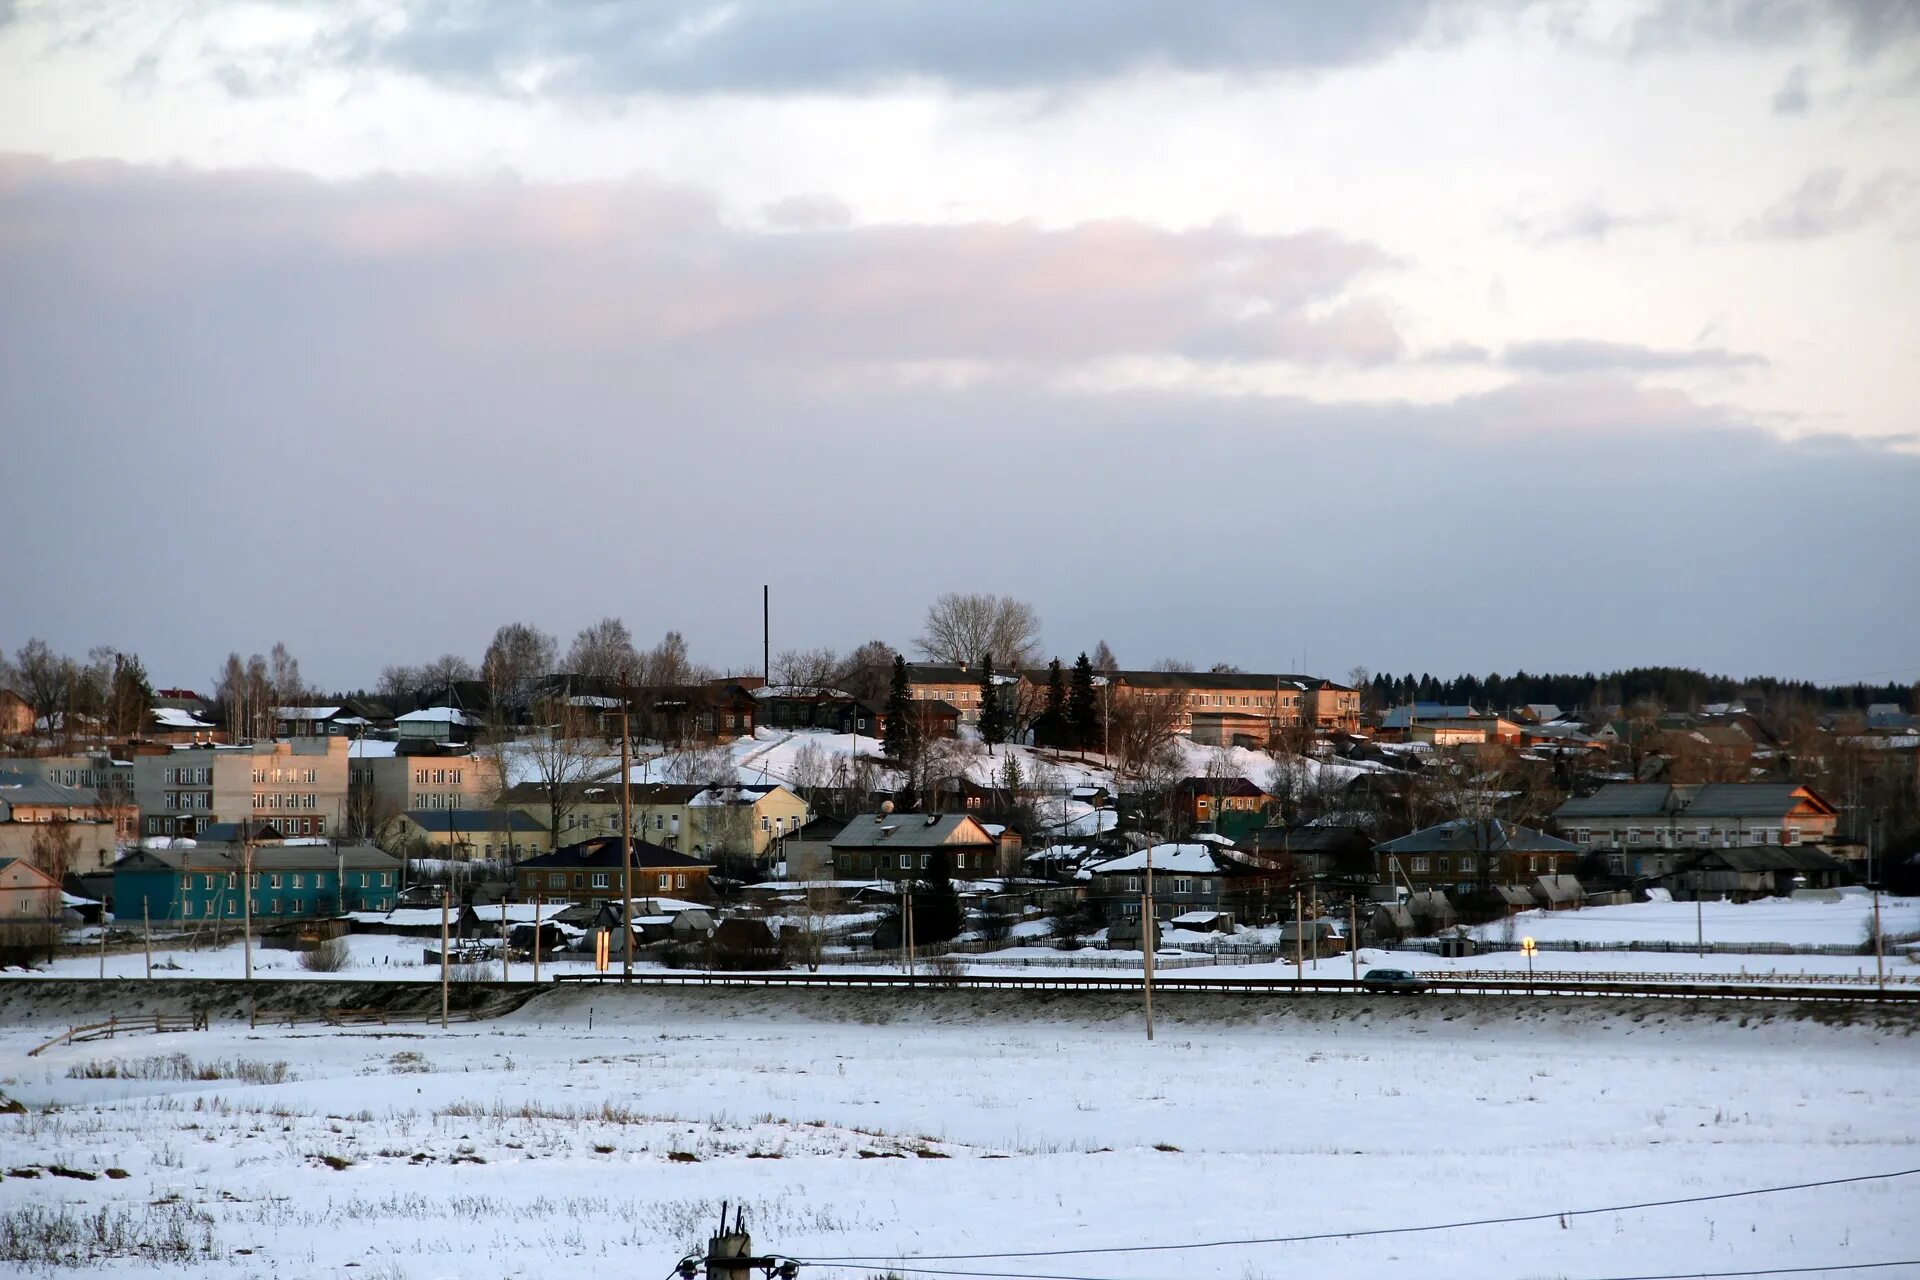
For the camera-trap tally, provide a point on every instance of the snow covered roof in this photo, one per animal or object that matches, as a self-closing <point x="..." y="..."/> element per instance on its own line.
<point x="440" y="715"/>
<point x="798" y="691"/>
<point x="176" y="718"/>
<point x="1187" y="858"/>
<point x="307" y="713"/>
<point x="372" y="749"/>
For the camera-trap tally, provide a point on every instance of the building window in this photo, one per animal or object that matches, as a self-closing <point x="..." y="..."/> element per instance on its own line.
<point x="1793" y="835"/>
<point x="599" y="879"/>
<point x="1466" y="863"/>
<point x="185" y="910"/>
<point x="1183" y="886"/>
<point x="273" y="882"/>
<point x="299" y="882"/>
<point x="1419" y="867"/>
<point x="680" y="880"/>
<point x="1633" y="835"/>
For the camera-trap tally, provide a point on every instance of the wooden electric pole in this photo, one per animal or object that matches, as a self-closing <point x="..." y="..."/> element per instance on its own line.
<point x="1149" y="942"/>
<point x="446" y="971"/>
<point x="626" y="837"/>
<point x="246" y="896"/>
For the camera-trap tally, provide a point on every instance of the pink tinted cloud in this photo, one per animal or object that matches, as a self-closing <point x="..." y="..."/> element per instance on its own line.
<point x="640" y="262"/>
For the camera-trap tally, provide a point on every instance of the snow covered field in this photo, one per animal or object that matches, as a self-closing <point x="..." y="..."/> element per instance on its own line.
<point x="1783" y="920"/>
<point x="961" y="1123"/>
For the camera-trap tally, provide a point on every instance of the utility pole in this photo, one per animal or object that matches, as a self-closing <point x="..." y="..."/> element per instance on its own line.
<point x="146" y="931"/>
<point x="1879" y="947"/>
<point x="1299" y="942"/>
<point x="1149" y="941"/>
<point x="446" y="971"/>
<point x="1353" y="934"/>
<point x="538" y="925"/>
<point x="246" y="896"/>
<point x="1699" y="921"/>
<point x="626" y="836"/>
<point x="506" y="940"/>
<point x="909" y="929"/>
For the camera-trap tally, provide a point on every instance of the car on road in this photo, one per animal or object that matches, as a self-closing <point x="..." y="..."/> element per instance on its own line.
<point x="1393" y="980"/>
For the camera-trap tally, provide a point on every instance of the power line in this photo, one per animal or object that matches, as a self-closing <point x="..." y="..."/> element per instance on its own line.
<point x="1827" y="1268"/>
<point x="895" y="1259"/>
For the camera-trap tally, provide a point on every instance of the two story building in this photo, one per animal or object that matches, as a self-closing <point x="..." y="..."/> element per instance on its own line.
<point x="181" y="883"/>
<point x="1645" y="829"/>
<point x="895" y="846"/>
<point x="590" y="872"/>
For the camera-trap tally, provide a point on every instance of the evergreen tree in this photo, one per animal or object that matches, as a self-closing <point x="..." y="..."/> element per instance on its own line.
<point x="129" y="696"/>
<point x="993" y="717"/>
<point x="902" y="737"/>
<point x="936" y="907"/>
<point x="1083" y="709"/>
<point x="1050" y="728"/>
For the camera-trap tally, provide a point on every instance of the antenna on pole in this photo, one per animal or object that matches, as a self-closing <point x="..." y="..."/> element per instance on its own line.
<point x="766" y="634"/>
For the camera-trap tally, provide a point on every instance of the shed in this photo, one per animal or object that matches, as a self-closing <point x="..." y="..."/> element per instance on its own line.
<point x="1560" y="893"/>
<point x="745" y="943"/>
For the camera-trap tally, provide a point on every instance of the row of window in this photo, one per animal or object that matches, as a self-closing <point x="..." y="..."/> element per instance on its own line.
<point x="269" y="907"/>
<point x="188" y="800"/>
<point x="437" y="777"/>
<point x="1700" y="835"/>
<point x="286" y="800"/>
<point x="264" y="776"/>
<point x="1467" y="864"/>
<point x="288" y="880"/>
<point x="667" y="880"/>
<point x="1181" y="884"/>
<point x="197" y="776"/>
<point x="435" y="800"/>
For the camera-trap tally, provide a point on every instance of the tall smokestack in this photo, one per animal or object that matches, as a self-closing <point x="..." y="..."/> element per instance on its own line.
<point x="766" y="636"/>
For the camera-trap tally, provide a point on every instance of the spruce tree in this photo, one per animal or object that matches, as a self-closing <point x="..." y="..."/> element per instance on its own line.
<point x="1050" y="728"/>
<point x="1083" y="709"/>
<point x="902" y="738"/>
<point x="936" y="905"/>
<point x="993" y="717"/>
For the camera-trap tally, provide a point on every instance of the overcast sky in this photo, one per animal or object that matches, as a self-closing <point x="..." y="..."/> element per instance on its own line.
<point x="1424" y="337"/>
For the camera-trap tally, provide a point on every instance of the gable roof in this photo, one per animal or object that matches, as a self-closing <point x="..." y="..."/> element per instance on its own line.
<point x="912" y="831"/>
<point x="603" y="852"/>
<point x="1183" y="859"/>
<point x="454" y="820"/>
<point x="1478" y="835"/>
<point x="32" y="789"/>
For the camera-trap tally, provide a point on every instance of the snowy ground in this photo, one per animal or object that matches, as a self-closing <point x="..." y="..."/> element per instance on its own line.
<point x="1839" y="923"/>
<point x="1802" y="921"/>
<point x="853" y="1126"/>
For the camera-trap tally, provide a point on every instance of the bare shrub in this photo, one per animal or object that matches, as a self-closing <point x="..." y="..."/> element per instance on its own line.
<point x="329" y="956"/>
<point x="74" y="1236"/>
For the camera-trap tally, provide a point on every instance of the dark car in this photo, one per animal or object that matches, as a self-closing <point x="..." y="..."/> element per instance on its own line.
<point x="1393" y="980"/>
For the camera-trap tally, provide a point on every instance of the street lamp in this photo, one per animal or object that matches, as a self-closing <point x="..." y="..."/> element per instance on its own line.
<point x="1527" y="947"/>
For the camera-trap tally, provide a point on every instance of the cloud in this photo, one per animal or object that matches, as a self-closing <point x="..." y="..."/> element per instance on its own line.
<point x="537" y="383"/>
<point x="621" y="266"/>
<point x="1588" y="220"/>
<point x="1815" y="208"/>
<point x="1585" y="356"/>
<point x="787" y="46"/>
<point x="1794" y="95"/>
<point x="1868" y="27"/>
<point x="808" y="213"/>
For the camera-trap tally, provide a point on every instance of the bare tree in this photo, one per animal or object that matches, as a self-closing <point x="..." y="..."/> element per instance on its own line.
<point x="603" y="651"/>
<point x="667" y="663"/>
<point x="867" y="672"/>
<point x="1172" y="664"/>
<point x="809" y="773"/>
<point x="283" y="677"/>
<point x="563" y="759"/>
<point x="53" y="848"/>
<point x="398" y="684"/>
<point x="517" y="657"/>
<point x="41" y="675"/>
<point x="440" y="675"/>
<point x="1103" y="660"/>
<point x="965" y="628"/>
<point x="1141" y="724"/>
<point x="811" y="669"/>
